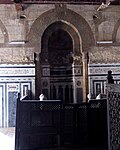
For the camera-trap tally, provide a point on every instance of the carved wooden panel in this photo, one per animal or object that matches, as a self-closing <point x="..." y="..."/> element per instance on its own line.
<point x="113" y="116"/>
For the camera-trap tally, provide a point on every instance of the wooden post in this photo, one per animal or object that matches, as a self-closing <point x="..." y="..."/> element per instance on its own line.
<point x="85" y="76"/>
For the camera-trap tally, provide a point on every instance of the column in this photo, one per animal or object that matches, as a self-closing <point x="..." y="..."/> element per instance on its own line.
<point x="74" y="84"/>
<point x="85" y="76"/>
<point x="37" y="76"/>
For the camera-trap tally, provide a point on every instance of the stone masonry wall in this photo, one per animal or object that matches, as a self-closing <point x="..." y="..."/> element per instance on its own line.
<point x="105" y="26"/>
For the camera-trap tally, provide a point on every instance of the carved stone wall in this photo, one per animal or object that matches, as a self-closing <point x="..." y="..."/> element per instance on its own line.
<point x="91" y="25"/>
<point x="95" y="32"/>
<point x="104" y="54"/>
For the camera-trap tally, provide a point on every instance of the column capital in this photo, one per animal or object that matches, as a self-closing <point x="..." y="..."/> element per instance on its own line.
<point x="84" y="56"/>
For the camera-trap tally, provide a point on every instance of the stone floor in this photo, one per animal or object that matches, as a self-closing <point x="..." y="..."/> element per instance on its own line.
<point x="7" y="138"/>
<point x="82" y="148"/>
<point x="7" y="141"/>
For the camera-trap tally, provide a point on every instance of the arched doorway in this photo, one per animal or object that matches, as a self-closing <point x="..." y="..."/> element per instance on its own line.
<point x="60" y="50"/>
<point x="61" y="64"/>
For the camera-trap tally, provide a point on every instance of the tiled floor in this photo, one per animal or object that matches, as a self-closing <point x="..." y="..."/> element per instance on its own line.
<point x="7" y="141"/>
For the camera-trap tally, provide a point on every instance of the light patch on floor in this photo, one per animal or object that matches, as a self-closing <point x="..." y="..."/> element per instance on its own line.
<point x="7" y="138"/>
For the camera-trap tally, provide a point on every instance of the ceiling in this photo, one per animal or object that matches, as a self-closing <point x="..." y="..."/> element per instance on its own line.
<point x="91" y="2"/>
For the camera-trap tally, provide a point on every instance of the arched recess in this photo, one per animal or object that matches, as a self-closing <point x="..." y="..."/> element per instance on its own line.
<point x="104" y="32"/>
<point x="4" y="32"/>
<point x="61" y="14"/>
<point x="77" y="48"/>
<point x="61" y="70"/>
<point x="115" y="32"/>
<point x="72" y="21"/>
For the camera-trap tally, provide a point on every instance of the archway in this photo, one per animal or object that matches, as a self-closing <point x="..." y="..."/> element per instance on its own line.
<point x="82" y="37"/>
<point x="60" y="49"/>
<point x="60" y="71"/>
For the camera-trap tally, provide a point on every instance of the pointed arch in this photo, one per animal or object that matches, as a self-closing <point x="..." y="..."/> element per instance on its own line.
<point x="71" y="18"/>
<point x="116" y="27"/>
<point x="63" y="26"/>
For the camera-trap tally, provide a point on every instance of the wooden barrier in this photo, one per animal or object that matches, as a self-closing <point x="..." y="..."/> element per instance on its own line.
<point x="113" y="109"/>
<point x="37" y="124"/>
<point x="50" y="124"/>
<point x="97" y="123"/>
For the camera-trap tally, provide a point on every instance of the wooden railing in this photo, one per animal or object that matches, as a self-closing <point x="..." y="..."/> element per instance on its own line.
<point x="50" y="124"/>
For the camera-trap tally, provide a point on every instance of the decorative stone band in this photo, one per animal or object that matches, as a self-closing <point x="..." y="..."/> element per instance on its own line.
<point x="98" y="69"/>
<point x="17" y="70"/>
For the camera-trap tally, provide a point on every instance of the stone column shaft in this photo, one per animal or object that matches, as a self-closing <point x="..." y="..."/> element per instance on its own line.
<point x="85" y="76"/>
